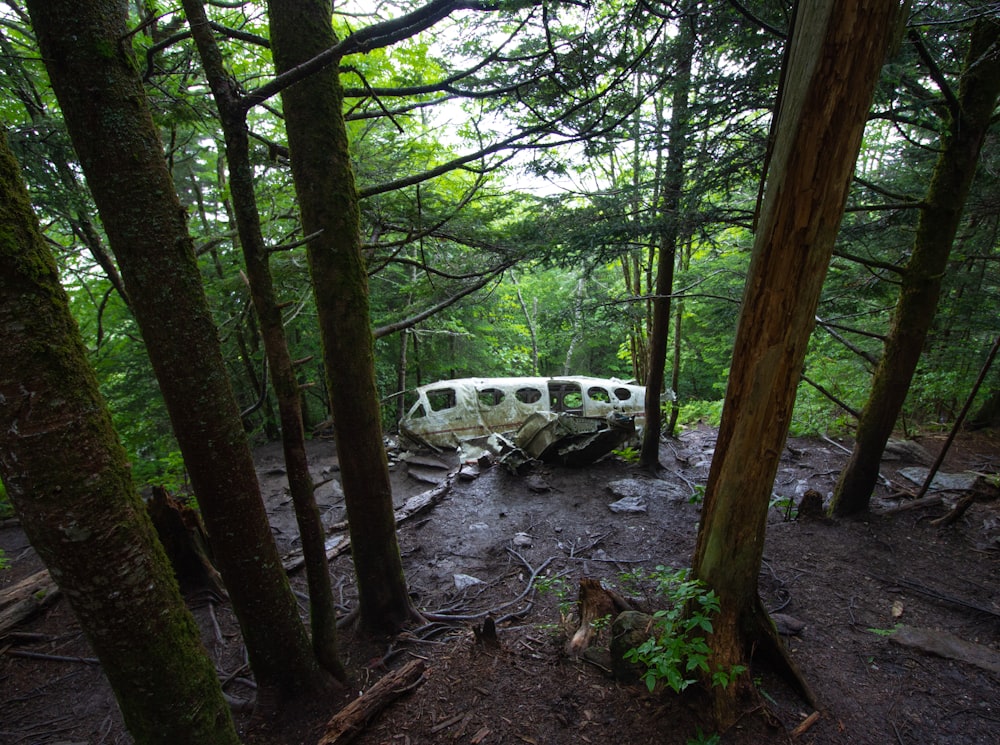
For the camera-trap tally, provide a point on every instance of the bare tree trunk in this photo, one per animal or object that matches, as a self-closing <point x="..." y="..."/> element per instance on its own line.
<point x="837" y="48"/>
<point x="96" y="80"/>
<point x="322" y="612"/>
<point x="971" y="115"/>
<point x="577" y="324"/>
<point x="324" y="183"/>
<point x="69" y="478"/>
<point x="669" y="232"/>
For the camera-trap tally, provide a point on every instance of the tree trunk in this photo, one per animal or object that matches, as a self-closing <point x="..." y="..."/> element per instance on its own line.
<point x="324" y="184"/>
<point x="921" y="282"/>
<point x="322" y="612"/>
<point x="96" y="80"/>
<point x="670" y="221"/>
<point x="69" y="479"/>
<point x="837" y="48"/>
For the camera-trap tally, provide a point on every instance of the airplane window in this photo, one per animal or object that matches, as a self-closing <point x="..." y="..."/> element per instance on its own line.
<point x="490" y="396"/>
<point x="573" y="400"/>
<point x="441" y="399"/>
<point x="528" y="395"/>
<point x="624" y="394"/>
<point x="599" y="394"/>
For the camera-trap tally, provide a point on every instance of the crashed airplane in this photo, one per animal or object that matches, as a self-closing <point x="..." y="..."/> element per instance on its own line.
<point x="571" y="419"/>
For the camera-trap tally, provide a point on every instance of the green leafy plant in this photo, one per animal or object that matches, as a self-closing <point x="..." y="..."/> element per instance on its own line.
<point x="702" y="739"/>
<point x="886" y="632"/>
<point x="678" y="653"/>
<point x="558" y="588"/>
<point x="698" y="495"/>
<point x="627" y="454"/>
<point x="785" y="504"/>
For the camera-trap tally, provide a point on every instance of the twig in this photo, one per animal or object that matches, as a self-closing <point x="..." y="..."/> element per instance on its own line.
<point x="53" y="657"/>
<point x="449" y="618"/>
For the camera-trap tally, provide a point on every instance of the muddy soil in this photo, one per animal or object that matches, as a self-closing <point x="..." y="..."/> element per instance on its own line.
<point x="848" y="584"/>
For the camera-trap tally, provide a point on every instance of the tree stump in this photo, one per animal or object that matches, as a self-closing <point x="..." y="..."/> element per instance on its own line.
<point x="595" y="602"/>
<point x="183" y="536"/>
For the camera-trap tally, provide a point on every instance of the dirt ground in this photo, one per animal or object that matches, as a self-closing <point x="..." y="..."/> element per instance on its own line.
<point x="848" y="583"/>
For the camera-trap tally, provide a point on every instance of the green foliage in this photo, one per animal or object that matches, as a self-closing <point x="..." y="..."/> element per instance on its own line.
<point x="556" y="586"/>
<point x="785" y="504"/>
<point x="701" y="412"/>
<point x="678" y="653"/>
<point x="697" y="494"/>
<point x="702" y="739"/>
<point x="886" y="632"/>
<point x="6" y="509"/>
<point x="628" y="454"/>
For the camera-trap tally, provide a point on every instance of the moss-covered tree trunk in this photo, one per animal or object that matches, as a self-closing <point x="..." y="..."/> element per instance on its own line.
<point x="971" y="115"/>
<point x="328" y="200"/>
<point x="837" y="49"/>
<point x="69" y="479"/>
<point x="322" y="612"/>
<point x="670" y="218"/>
<point x="85" y="46"/>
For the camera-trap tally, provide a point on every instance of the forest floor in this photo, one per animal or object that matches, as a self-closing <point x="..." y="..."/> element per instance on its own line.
<point x="849" y="583"/>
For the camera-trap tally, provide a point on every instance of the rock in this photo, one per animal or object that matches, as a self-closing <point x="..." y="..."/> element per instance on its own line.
<point x="941" y="481"/>
<point x="468" y="472"/>
<point x="787" y="625"/>
<point x="906" y="450"/>
<point x="649" y="489"/>
<point x="628" y="504"/>
<point x="629" y="630"/>
<point x="537" y="484"/>
<point x="465" y="581"/>
<point x="521" y="540"/>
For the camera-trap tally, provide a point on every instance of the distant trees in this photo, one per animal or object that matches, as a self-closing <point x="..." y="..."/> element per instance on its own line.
<point x="969" y="116"/>
<point x="69" y="479"/>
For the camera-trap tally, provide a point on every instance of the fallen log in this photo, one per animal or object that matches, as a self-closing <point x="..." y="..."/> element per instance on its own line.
<point x="351" y="721"/>
<point x="23" y="600"/>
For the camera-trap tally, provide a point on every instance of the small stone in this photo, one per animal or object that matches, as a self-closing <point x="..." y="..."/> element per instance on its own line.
<point x="465" y="581"/>
<point x="537" y="484"/>
<point x="628" y="504"/>
<point x="787" y="625"/>
<point x="522" y="540"/>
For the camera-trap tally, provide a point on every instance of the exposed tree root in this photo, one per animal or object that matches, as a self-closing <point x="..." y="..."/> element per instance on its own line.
<point x="765" y="643"/>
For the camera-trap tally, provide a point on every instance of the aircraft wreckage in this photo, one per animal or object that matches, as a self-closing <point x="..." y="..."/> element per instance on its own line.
<point x="571" y="419"/>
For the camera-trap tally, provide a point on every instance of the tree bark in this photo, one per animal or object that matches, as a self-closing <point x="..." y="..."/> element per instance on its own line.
<point x="921" y="281"/>
<point x="837" y="49"/>
<point x="670" y="209"/>
<point x="328" y="199"/>
<point x="68" y="477"/>
<point x="95" y="78"/>
<point x="322" y="611"/>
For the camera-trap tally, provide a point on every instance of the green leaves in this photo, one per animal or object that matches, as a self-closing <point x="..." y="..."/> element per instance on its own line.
<point x="678" y="654"/>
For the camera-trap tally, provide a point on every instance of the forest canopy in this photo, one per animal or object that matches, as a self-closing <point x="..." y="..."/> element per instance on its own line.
<point x="510" y="164"/>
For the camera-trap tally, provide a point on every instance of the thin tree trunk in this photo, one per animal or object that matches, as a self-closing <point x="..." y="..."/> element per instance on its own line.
<point x="95" y="78"/>
<point x="322" y="612"/>
<point x="837" y="49"/>
<point x="921" y="281"/>
<point x="328" y="199"/>
<point x="670" y="220"/>
<point x="69" y="479"/>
